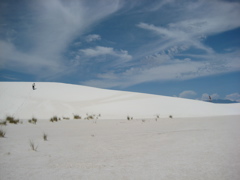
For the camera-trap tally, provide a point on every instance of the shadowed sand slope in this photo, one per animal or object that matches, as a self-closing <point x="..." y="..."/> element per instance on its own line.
<point x="19" y="100"/>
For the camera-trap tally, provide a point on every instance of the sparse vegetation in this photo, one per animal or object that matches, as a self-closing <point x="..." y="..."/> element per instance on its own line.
<point x="2" y="133"/>
<point x="11" y="120"/>
<point x="129" y="118"/>
<point x="33" y="120"/>
<point x="54" y="119"/>
<point x="157" y="117"/>
<point x="170" y="116"/>
<point x="66" y="118"/>
<point x="76" y="116"/>
<point x="33" y="145"/>
<point x="89" y="117"/>
<point x="45" y="136"/>
<point x="92" y="116"/>
<point x="143" y="120"/>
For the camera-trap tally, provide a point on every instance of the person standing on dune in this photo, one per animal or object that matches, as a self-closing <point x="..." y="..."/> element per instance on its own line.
<point x="33" y="86"/>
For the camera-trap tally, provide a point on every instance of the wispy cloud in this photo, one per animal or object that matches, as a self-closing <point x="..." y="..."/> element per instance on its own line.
<point x="48" y="31"/>
<point x="178" y="50"/>
<point x="214" y="96"/>
<point x="163" y="40"/>
<point x="93" y="37"/>
<point x="168" y="68"/>
<point x="233" y="97"/>
<point x="188" y="94"/>
<point x="101" y="51"/>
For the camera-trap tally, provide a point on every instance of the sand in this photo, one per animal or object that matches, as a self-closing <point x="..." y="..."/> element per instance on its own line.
<point x="205" y="146"/>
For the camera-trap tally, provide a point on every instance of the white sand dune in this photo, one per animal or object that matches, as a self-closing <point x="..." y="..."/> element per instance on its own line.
<point x="200" y="142"/>
<point x="19" y="100"/>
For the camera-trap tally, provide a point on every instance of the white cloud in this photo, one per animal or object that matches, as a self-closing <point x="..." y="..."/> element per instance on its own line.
<point x="205" y="96"/>
<point x="234" y="97"/>
<point x="188" y="94"/>
<point x="93" y="37"/>
<point x="215" y="96"/>
<point x="100" y="51"/>
<point x="175" y="35"/>
<point x="195" y="20"/>
<point x="48" y="30"/>
<point x="56" y="24"/>
<point x="97" y="51"/>
<point x="167" y="68"/>
<point x="28" y="63"/>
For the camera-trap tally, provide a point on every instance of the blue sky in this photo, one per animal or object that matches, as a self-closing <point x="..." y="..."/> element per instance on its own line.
<point x="187" y="48"/>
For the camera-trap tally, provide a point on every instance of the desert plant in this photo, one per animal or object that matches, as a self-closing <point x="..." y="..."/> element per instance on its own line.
<point x="89" y="117"/>
<point x="54" y="119"/>
<point x="66" y="118"/>
<point x="11" y="120"/>
<point x="2" y="133"/>
<point x="76" y="116"/>
<point x="170" y="116"/>
<point x="33" y="120"/>
<point x="129" y="118"/>
<point x="45" y="136"/>
<point x="143" y="120"/>
<point x="33" y="145"/>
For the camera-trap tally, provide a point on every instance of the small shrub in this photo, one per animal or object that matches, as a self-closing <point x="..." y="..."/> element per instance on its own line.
<point x="2" y="133"/>
<point x="170" y="116"/>
<point x="11" y="120"/>
<point x="54" y="119"/>
<point x="92" y="116"/>
<point x="33" y="120"/>
<point x="89" y="117"/>
<point x="129" y="118"/>
<point x="33" y="145"/>
<point x="45" y="136"/>
<point x="143" y="120"/>
<point x="66" y="118"/>
<point x="76" y="116"/>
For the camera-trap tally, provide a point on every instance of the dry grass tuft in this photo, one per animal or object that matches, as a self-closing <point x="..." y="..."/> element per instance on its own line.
<point x="11" y="120"/>
<point x="33" y="121"/>
<point x="45" y="136"/>
<point x="54" y="119"/>
<point x="33" y="145"/>
<point x="2" y="133"/>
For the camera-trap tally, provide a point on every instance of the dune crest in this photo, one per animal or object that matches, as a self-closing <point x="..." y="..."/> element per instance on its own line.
<point x="18" y="99"/>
